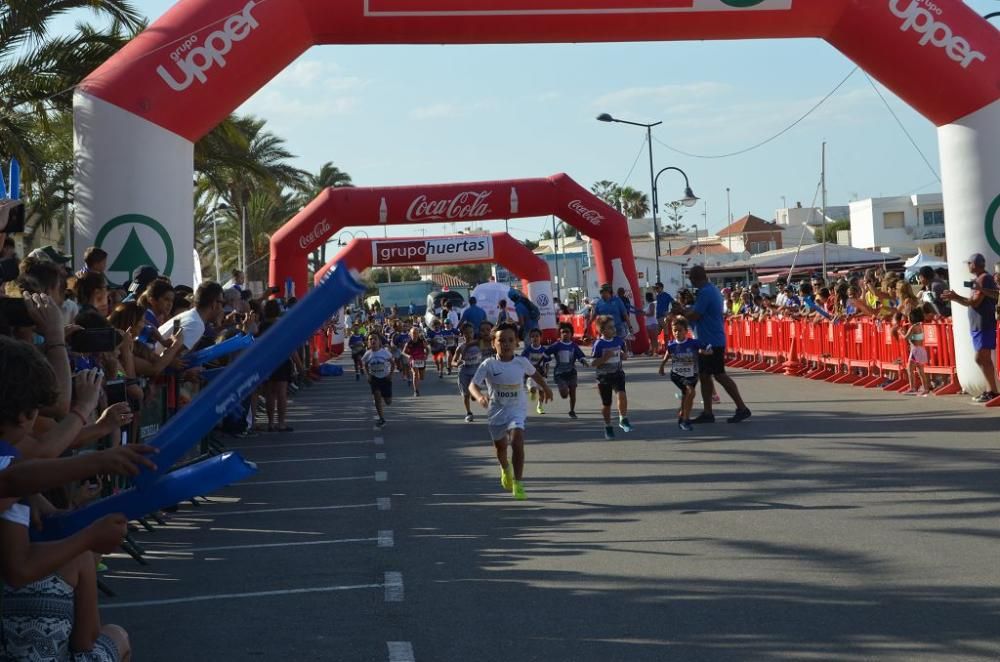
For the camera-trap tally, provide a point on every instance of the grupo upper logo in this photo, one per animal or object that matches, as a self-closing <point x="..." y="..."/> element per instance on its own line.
<point x="923" y="17"/>
<point x="993" y="225"/>
<point x="469" y="204"/>
<point x="193" y="60"/>
<point x="132" y="241"/>
<point x="432" y="250"/>
<point x="319" y="231"/>
<point x="591" y="216"/>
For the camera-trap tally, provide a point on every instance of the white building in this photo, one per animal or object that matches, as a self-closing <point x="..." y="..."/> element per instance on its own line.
<point x="901" y="224"/>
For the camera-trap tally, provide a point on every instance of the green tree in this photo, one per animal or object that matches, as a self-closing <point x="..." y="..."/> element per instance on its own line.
<point x="473" y="274"/>
<point x="831" y="231"/>
<point x="399" y="275"/>
<point x="633" y="203"/>
<point x="607" y="191"/>
<point x="674" y="214"/>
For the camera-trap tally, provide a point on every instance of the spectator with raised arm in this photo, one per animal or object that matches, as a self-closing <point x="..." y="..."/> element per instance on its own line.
<point x="982" y="305"/>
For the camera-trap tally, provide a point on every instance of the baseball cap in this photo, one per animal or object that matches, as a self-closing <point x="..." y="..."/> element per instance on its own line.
<point x="606" y="287"/>
<point x="977" y="259"/>
<point x="142" y="277"/>
<point x="50" y="254"/>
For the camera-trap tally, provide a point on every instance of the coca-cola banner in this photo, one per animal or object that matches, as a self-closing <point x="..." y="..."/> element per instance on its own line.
<point x="448" y="250"/>
<point x="468" y="205"/>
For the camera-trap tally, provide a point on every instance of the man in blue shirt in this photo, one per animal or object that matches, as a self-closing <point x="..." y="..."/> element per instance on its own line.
<point x="614" y="308"/>
<point x="474" y="315"/>
<point x="664" y="302"/>
<point x="706" y="314"/>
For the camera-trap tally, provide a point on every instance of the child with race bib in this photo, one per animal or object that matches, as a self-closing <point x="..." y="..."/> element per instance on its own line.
<point x="415" y="350"/>
<point x="467" y="358"/>
<point x="438" y="341"/>
<point x="682" y="353"/>
<point x="379" y="366"/>
<point x="504" y="376"/>
<point x="608" y="353"/>
<point x="535" y="353"/>
<point x="356" y="343"/>
<point x="566" y="354"/>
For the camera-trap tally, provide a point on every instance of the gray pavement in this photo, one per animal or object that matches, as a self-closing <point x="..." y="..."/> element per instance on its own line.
<point x="837" y="524"/>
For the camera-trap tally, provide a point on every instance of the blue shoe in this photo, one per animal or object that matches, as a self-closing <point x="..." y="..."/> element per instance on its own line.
<point x="624" y="424"/>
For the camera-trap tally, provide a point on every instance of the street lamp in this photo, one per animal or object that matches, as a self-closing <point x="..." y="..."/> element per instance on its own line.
<point x="689" y="200"/>
<point x="605" y="117"/>
<point x="354" y="235"/>
<point x="222" y="206"/>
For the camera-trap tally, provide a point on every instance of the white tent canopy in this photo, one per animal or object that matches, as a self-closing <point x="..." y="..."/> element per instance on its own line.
<point x="920" y="260"/>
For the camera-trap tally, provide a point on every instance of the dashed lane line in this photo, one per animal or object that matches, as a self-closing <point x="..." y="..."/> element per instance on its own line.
<point x="238" y="596"/>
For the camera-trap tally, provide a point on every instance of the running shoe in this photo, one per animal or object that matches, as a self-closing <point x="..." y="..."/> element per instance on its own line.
<point x="923" y="393"/>
<point x="624" y="424"/>
<point x="984" y="398"/>
<point x="518" y="491"/>
<point x="538" y="408"/>
<point x="685" y="425"/>
<point x="716" y="399"/>
<point x="740" y="415"/>
<point x="440" y="375"/>
<point x="380" y="422"/>
<point x="609" y="432"/>
<point x="468" y="418"/>
<point x="909" y="391"/>
<point x="357" y="376"/>
<point x="572" y="414"/>
<point x="506" y="478"/>
<point x="704" y="418"/>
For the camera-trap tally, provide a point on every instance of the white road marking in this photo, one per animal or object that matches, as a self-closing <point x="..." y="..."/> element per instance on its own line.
<point x="400" y="651"/>
<point x="199" y="550"/>
<point x="381" y="476"/>
<point x="385" y="539"/>
<point x="306" y="443"/>
<point x="314" y="459"/>
<point x="378" y="456"/>
<point x="291" y="510"/>
<point x="228" y="596"/>
<point x="298" y="481"/>
<point x="379" y="441"/>
<point x="383" y="503"/>
<point x="393" y="587"/>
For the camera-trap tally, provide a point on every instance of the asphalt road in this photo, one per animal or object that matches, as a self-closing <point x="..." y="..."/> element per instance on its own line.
<point x="837" y="524"/>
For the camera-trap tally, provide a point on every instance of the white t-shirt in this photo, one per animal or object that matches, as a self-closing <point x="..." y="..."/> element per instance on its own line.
<point x="191" y="324"/>
<point x="454" y="317"/>
<point x="505" y="382"/>
<point x="378" y="363"/>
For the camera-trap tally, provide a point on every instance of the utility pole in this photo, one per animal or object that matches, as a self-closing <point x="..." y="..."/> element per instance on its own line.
<point x="823" y="179"/>
<point x="729" y="215"/>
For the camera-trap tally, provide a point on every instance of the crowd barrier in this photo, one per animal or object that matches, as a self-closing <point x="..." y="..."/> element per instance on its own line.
<point x="863" y="352"/>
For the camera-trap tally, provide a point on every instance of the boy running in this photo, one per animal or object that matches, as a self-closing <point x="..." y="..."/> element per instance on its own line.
<point x="504" y="375"/>
<point x="356" y="343"/>
<point x="398" y="339"/>
<point x="451" y="337"/>
<point x="682" y="352"/>
<point x="415" y="353"/>
<point x="566" y="354"/>
<point x="535" y="353"/>
<point x="467" y="357"/>
<point x="438" y="342"/>
<point x="379" y="366"/>
<point x="609" y="352"/>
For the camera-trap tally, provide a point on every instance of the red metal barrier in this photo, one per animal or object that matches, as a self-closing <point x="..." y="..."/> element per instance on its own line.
<point x="864" y="352"/>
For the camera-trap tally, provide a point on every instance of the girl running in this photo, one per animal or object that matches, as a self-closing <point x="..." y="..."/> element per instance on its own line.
<point x="535" y="353"/>
<point x="379" y="366"/>
<point x="608" y="353"/>
<point x="504" y="377"/>
<point x="467" y="358"/>
<point x="415" y="351"/>
<point x="451" y="336"/>
<point x="356" y="343"/>
<point x="566" y="354"/>
<point x="682" y="353"/>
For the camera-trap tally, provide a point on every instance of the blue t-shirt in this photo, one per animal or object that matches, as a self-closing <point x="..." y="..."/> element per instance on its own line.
<point x="566" y="354"/>
<point x="809" y="302"/>
<point x="684" y="357"/>
<point x="437" y="340"/>
<point x="536" y="355"/>
<point x="524" y="317"/>
<point x="613" y="308"/>
<point x="357" y="344"/>
<point x="616" y="347"/>
<point x="475" y="316"/>
<point x="708" y="327"/>
<point x="450" y="337"/>
<point x="663" y="303"/>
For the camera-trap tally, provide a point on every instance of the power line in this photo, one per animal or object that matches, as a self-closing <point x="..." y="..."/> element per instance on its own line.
<point x="908" y="136"/>
<point x="642" y="148"/>
<point x="772" y="138"/>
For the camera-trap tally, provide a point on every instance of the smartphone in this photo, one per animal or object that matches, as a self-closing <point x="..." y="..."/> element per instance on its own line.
<point x="116" y="391"/>
<point x="177" y="325"/>
<point x="14" y="312"/>
<point x="90" y="341"/>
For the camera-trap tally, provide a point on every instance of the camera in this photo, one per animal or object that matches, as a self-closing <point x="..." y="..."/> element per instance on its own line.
<point x="92" y="341"/>
<point x="11" y="216"/>
<point x="14" y="312"/>
<point x="971" y="284"/>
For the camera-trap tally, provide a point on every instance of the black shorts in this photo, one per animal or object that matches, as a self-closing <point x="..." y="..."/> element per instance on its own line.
<point x="381" y="385"/>
<point x="714" y="363"/>
<point x="566" y="380"/>
<point x="683" y="383"/>
<point x="609" y="384"/>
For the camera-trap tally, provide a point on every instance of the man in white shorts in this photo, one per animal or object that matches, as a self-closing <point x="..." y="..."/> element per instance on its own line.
<point x="504" y="376"/>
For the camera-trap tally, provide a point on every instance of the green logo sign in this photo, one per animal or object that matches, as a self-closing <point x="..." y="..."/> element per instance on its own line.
<point x="742" y="3"/>
<point x="993" y="225"/>
<point x="133" y="240"/>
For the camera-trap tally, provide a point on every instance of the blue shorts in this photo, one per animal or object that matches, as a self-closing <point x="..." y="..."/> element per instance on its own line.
<point x="986" y="339"/>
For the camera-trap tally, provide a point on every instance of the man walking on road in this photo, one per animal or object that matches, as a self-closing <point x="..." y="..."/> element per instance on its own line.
<point x="982" y="321"/>
<point x="706" y="314"/>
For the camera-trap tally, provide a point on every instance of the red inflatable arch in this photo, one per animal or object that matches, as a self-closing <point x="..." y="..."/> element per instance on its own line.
<point x="337" y="208"/>
<point x="138" y="115"/>
<point x="499" y="247"/>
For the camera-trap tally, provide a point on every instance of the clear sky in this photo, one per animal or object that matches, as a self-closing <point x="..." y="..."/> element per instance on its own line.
<point x="432" y="114"/>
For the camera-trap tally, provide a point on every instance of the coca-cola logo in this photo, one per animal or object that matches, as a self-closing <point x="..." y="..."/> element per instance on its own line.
<point x="587" y="214"/>
<point x="470" y="204"/>
<point x="319" y="231"/>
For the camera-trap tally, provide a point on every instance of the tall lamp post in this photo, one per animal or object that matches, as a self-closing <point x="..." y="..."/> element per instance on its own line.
<point x="689" y="200"/>
<point x="605" y="117"/>
<point x="222" y="206"/>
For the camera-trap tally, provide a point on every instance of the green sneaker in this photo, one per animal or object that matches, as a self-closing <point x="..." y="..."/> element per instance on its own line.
<point x="518" y="491"/>
<point x="506" y="478"/>
<point x="539" y="408"/>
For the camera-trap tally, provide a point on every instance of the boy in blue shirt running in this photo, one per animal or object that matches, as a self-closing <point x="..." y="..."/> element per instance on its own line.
<point x="608" y="353"/>
<point x="682" y="353"/>
<point x="566" y="354"/>
<point x="534" y="352"/>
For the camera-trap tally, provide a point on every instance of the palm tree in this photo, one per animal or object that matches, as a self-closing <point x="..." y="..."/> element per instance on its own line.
<point x="329" y="176"/>
<point x="608" y="191"/>
<point x="633" y="203"/>
<point x="265" y="213"/>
